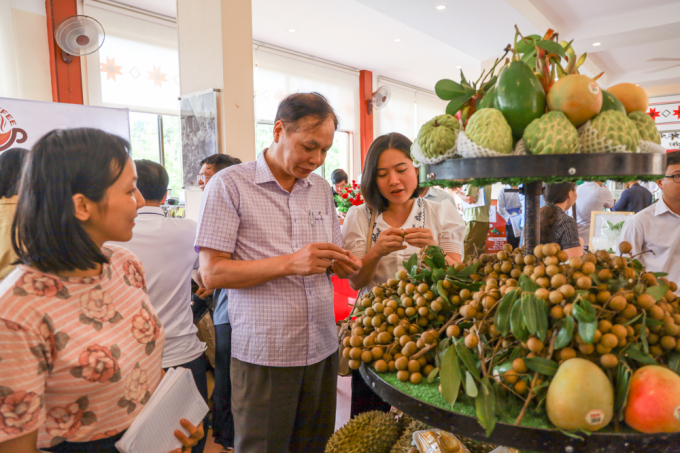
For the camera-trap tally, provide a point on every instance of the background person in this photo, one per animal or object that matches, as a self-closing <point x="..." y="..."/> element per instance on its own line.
<point x="556" y="226"/>
<point x="634" y="199"/>
<point x="654" y="232"/>
<point x="11" y="162"/>
<point x="403" y="223"/>
<point x="509" y="207"/>
<point x="168" y="274"/>
<point x="284" y="339"/>
<point x="476" y="219"/>
<point x="437" y="195"/>
<point x="82" y="305"/>
<point x="212" y="164"/>
<point x="592" y="196"/>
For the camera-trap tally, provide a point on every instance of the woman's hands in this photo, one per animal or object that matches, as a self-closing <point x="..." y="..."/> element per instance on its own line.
<point x="196" y="433"/>
<point x="419" y="237"/>
<point x="390" y="241"/>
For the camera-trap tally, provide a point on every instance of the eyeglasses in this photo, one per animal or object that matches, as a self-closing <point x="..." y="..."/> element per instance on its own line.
<point x="676" y="178"/>
<point x="203" y="178"/>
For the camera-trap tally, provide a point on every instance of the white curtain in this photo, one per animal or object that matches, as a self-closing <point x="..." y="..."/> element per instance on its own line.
<point x="277" y="75"/>
<point x="399" y="115"/>
<point x="138" y="65"/>
<point x="9" y="86"/>
<point x="427" y="107"/>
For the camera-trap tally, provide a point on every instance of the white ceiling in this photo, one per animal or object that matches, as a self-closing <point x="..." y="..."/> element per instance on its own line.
<point x="640" y="39"/>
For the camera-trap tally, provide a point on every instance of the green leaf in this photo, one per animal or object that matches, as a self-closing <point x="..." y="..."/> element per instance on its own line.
<point x="651" y="322"/>
<point x="623" y="373"/>
<point x="485" y="404"/>
<point x="634" y="353"/>
<point x="632" y="321"/>
<point x="528" y="44"/>
<point x="659" y="274"/>
<point x="412" y="261"/>
<point x="552" y="47"/>
<point x="637" y="265"/>
<point x="442" y="292"/>
<point x="657" y="292"/>
<point x="674" y="362"/>
<point x="517" y="326"/>
<point x="542" y="329"/>
<point x="581" y="315"/>
<point x="463" y="80"/>
<point x="566" y="332"/>
<point x="468" y="271"/>
<point x="571" y="434"/>
<point x="450" y="376"/>
<point x="587" y="331"/>
<point x="470" y="385"/>
<point x="489" y="84"/>
<point x="530" y="58"/>
<point x="527" y="285"/>
<point x="643" y="333"/>
<point x="433" y="374"/>
<point x="541" y="366"/>
<point x="468" y="359"/>
<point x="502" y="317"/>
<point x="530" y="312"/>
<point x="448" y="89"/>
<point x="457" y="103"/>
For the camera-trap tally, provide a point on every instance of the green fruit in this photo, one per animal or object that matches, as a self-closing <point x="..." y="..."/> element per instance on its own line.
<point x="438" y="135"/>
<point x="610" y="102"/>
<point x="580" y="396"/>
<point x="488" y="99"/>
<point x="369" y="432"/>
<point x="612" y="129"/>
<point x="552" y="133"/>
<point x="489" y="129"/>
<point x="403" y="445"/>
<point x="519" y="96"/>
<point x="646" y="127"/>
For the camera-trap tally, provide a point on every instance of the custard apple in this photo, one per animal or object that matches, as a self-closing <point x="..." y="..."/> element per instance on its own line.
<point x="646" y="127"/>
<point x="438" y="135"/>
<point x="369" y="432"/>
<point x="610" y="131"/>
<point x="552" y="133"/>
<point x="489" y="129"/>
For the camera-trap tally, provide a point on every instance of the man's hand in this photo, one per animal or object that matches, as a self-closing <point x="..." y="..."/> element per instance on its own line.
<point x="203" y="292"/>
<point x="390" y="241"/>
<point x="419" y="237"/>
<point x="316" y="258"/>
<point x="343" y="270"/>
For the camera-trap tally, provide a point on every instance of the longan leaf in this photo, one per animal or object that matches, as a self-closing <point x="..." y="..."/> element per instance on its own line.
<point x="468" y="359"/>
<point x="657" y="292"/>
<point x="412" y="261"/>
<point x="530" y="312"/>
<point x="470" y="385"/>
<point x="659" y="274"/>
<point x="566" y="332"/>
<point x="527" y="285"/>
<point x="517" y="326"/>
<point x="442" y="292"/>
<point x="634" y="353"/>
<point x="581" y="315"/>
<point x="468" y="271"/>
<point x="674" y="362"/>
<point x="450" y="376"/>
<point x="542" y="329"/>
<point x="485" y="404"/>
<point x="587" y="331"/>
<point x="541" y="366"/>
<point x="643" y="333"/>
<point x="502" y="318"/>
<point x="433" y="374"/>
<point x="623" y="373"/>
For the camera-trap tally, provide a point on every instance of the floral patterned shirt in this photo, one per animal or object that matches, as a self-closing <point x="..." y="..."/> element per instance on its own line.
<point x="79" y="357"/>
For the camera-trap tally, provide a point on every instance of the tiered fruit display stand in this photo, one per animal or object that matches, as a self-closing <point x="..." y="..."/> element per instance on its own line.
<point x="531" y="171"/>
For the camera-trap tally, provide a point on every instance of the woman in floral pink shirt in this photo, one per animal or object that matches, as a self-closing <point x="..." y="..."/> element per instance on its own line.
<point x="80" y="343"/>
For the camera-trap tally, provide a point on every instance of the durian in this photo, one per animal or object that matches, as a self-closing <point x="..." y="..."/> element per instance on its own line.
<point x="552" y="133"/>
<point x="369" y="432"/>
<point x="646" y="127"/>
<point x="476" y="447"/>
<point x="489" y="129"/>
<point x="610" y="131"/>
<point x="403" y="445"/>
<point x="438" y="135"/>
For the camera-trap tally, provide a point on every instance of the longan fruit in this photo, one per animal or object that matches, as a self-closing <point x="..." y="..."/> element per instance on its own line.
<point x="423" y="361"/>
<point x="609" y="361"/>
<point x="618" y="303"/>
<point x="567" y="353"/>
<point x="605" y="275"/>
<point x="354" y="364"/>
<point x="380" y="366"/>
<point x="427" y="337"/>
<point x="370" y="312"/>
<point x="539" y="271"/>
<point x="423" y="322"/>
<point x="588" y="268"/>
<point x="416" y="378"/>
<point x="453" y="331"/>
<point x="645" y="301"/>
<point x="557" y="312"/>
<point x="510" y="376"/>
<point x="655" y="350"/>
<point x="413" y="366"/>
<point x="355" y="353"/>
<point x="421" y="302"/>
<point x="423" y="311"/>
<point x="436" y="306"/>
<point x="656" y="312"/>
<point x="609" y="340"/>
<point x="391" y="366"/>
<point x="377" y="353"/>
<point x="542" y="293"/>
<point x="471" y="340"/>
<point x="552" y="270"/>
<point x="468" y="311"/>
<point x="345" y="352"/>
<point x="401" y="363"/>
<point x="603" y="296"/>
<point x="404" y="340"/>
<point x="558" y="280"/>
<point x="346" y="342"/>
<point x="407" y="302"/>
<point x="529" y="270"/>
<point x="519" y="366"/>
<point x="556" y="297"/>
<point x="403" y="375"/>
<point x="410" y="289"/>
<point x="413" y="329"/>
<point x="602" y="350"/>
<point x="668" y="343"/>
<point x="567" y="290"/>
<point x="521" y="387"/>
<point x="584" y="282"/>
<point x="629" y="312"/>
<point x="586" y="349"/>
<point x="393" y="319"/>
<point x="625" y="247"/>
<point x="410" y="312"/>
<point x="535" y="345"/>
<point x="549" y="250"/>
<point x="423" y="288"/>
<point x="409" y="349"/>
<point x="568" y="309"/>
<point x="367" y="356"/>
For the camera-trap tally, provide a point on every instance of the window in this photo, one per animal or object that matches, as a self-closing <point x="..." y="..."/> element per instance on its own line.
<point x="337" y="156"/>
<point x="146" y="129"/>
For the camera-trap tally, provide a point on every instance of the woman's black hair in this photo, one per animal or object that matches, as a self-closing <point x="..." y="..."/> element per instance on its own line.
<point x="11" y="163"/>
<point x="299" y="106"/>
<point x="46" y="233"/>
<point x="369" y="177"/>
<point x="339" y="175"/>
<point x="553" y="194"/>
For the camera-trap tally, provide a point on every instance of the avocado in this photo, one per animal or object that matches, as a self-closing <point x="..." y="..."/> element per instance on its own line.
<point x="610" y="102"/>
<point x="519" y="96"/>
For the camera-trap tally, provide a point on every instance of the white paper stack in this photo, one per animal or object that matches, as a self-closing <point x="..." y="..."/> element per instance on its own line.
<point x="152" y="431"/>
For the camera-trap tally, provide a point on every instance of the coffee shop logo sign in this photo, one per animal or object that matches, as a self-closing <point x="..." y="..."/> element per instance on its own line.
<point x="9" y="131"/>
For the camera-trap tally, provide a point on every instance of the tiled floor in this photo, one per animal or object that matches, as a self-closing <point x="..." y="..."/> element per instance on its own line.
<point x="341" y="414"/>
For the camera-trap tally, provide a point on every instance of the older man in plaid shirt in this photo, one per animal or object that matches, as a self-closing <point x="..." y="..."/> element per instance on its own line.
<point x="269" y="233"/>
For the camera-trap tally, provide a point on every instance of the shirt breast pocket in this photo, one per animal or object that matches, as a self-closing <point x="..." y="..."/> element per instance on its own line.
<point x="322" y="229"/>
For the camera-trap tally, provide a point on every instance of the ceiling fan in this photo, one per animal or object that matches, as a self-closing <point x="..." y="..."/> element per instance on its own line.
<point x="663" y="69"/>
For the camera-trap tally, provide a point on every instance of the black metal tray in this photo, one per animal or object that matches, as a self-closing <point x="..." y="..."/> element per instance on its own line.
<point x="547" y="166"/>
<point x="520" y="437"/>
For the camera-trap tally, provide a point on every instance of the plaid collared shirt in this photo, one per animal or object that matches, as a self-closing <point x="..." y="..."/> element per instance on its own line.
<point x="245" y="212"/>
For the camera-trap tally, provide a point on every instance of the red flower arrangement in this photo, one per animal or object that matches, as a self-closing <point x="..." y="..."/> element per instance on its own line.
<point x="351" y="196"/>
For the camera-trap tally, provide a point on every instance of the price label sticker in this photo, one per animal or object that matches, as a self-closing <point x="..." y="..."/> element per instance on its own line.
<point x="595" y="417"/>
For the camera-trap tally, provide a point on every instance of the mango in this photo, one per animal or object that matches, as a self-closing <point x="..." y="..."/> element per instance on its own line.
<point x="580" y="396"/>
<point x="654" y="400"/>
<point x="633" y="98"/>
<point x="578" y="96"/>
<point x="609" y="102"/>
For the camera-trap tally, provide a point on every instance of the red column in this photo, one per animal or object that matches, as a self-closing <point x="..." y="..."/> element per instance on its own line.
<point x="67" y="83"/>
<point x="366" y="115"/>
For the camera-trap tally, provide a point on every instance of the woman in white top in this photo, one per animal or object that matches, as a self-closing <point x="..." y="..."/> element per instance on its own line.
<point x="404" y="223"/>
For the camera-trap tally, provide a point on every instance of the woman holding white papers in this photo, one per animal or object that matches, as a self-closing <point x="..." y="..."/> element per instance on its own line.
<point x="80" y="344"/>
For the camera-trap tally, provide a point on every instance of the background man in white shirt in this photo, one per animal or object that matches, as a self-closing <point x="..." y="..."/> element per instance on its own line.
<point x="509" y="206"/>
<point x="592" y="196"/>
<point x="656" y="230"/>
<point x="165" y="247"/>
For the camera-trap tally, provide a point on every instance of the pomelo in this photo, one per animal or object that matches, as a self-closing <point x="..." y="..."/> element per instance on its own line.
<point x="578" y="96"/>
<point x="633" y="98"/>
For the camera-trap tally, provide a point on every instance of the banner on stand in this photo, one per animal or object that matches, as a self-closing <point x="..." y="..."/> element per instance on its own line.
<point x="22" y="123"/>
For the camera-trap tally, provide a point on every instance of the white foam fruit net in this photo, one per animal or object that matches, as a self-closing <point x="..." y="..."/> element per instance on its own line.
<point x="588" y="139"/>
<point x="650" y="147"/>
<point x="418" y="155"/>
<point x="520" y="149"/>
<point x="468" y="148"/>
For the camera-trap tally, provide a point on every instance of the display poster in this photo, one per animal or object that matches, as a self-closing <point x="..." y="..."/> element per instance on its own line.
<point x="23" y="123"/>
<point x="605" y="229"/>
<point x="198" y="114"/>
<point x="495" y="239"/>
